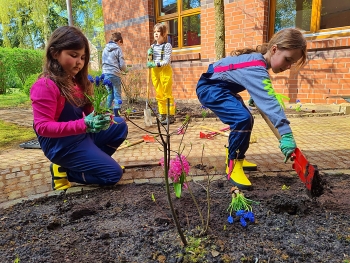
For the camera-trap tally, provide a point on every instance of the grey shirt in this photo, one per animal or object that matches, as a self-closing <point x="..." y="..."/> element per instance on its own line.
<point x="112" y="59"/>
<point x="256" y="80"/>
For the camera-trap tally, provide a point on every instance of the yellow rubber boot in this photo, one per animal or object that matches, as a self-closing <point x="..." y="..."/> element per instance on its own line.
<point x="237" y="176"/>
<point x="247" y="166"/>
<point x="59" y="178"/>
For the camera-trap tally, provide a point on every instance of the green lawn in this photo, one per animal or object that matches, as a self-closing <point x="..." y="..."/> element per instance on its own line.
<point x="16" y="99"/>
<point x="11" y="135"/>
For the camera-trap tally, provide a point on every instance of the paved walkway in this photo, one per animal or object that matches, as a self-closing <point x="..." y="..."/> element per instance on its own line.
<point x="325" y="141"/>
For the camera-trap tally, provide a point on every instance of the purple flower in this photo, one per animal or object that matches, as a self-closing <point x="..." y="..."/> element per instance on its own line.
<point x="242" y="221"/>
<point x="240" y="213"/>
<point x="102" y="76"/>
<point x="97" y="79"/>
<point x="230" y="219"/>
<point x="120" y="102"/>
<point x="203" y="107"/>
<point x="107" y="83"/>
<point x="250" y="216"/>
<point x="90" y="78"/>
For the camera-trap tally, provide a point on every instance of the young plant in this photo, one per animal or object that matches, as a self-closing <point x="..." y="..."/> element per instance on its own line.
<point x="99" y="98"/>
<point x="242" y="207"/>
<point x="298" y="106"/>
<point x="178" y="170"/>
<point x="204" y="112"/>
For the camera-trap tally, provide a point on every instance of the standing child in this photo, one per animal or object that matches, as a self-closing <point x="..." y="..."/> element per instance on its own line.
<point x="78" y="143"/>
<point x="113" y="65"/>
<point x="161" y="72"/>
<point x="218" y="90"/>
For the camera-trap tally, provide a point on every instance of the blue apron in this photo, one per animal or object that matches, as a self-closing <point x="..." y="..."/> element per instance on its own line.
<point x="87" y="157"/>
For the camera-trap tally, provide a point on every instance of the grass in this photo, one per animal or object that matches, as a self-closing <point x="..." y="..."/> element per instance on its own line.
<point x="13" y="100"/>
<point x="11" y="135"/>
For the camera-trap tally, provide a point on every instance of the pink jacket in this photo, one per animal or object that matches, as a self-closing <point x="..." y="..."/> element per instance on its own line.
<point x="48" y="103"/>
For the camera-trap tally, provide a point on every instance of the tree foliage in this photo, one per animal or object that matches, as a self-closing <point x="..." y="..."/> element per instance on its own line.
<point x="29" y="23"/>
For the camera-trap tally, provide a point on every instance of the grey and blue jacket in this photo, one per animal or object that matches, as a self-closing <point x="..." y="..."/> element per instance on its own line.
<point x="255" y="79"/>
<point x="112" y="59"/>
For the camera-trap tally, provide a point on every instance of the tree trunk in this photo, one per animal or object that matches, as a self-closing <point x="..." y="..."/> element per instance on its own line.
<point x="69" y="11"/>
<point x="219" y="29"/>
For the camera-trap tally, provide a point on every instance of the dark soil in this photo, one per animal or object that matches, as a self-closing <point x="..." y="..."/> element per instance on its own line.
<point x="124" y="224"/>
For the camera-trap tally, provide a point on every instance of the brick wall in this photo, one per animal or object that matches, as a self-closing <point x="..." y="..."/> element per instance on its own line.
<point x="326" y="73"/>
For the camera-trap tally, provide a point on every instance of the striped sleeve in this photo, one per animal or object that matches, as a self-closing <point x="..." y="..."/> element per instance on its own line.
<point x="157" y="49"/>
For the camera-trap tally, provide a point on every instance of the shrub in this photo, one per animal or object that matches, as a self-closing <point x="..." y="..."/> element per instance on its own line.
<point x="95" y="73"/>
<point x="16" y="65"/>
<point x="29" y="83"/>
<point x="132" y="85"/>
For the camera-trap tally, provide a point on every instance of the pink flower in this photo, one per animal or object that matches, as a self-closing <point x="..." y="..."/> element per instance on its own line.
<point x="178" y="166"/>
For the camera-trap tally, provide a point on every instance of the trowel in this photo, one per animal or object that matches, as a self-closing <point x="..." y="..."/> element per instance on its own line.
<point x="307" y="172"/>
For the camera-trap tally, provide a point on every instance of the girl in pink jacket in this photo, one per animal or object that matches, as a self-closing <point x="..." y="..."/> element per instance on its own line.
<point x="78" y="142"/>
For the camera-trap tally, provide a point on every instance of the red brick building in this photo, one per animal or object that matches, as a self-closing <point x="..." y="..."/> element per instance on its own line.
<point x="248" y="23"/>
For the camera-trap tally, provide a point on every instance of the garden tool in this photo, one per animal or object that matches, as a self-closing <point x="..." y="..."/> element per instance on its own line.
<point x="307" y="172"/>
<point x="147" y="111"/>
<point x="145" y="138"/>
<point x="345" y="97"/>
<point x="210" y="135"/>
<point x="216" y="131"/>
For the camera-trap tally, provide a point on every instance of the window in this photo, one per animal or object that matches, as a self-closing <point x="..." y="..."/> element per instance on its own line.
<point x="183" y="20"/>
<point x="318" y="18"/>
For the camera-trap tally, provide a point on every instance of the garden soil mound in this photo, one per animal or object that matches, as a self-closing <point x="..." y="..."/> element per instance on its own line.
<point x="133" y="223"/>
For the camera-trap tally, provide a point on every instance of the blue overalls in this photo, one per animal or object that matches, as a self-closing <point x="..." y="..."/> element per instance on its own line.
<point x="87" y="157"/>
<point x="223" y="99"/>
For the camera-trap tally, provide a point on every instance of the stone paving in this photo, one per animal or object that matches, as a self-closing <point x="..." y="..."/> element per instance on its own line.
<point x="325" y="141"/>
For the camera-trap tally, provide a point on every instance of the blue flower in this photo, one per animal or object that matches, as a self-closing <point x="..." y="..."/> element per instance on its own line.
<point x="297" y="101"/>
<point x="242" y="221"/>
<point x="250" y="216"/>
<point x="90" y="78"/>
<point x="102" y="76"/>
<point x="240" y="213"/>
<point x="97" y="79"/>
<point x="120" y="102"/>
<point x="203" y="107"/>
<point x="230" y="219"/>
<point x="107" y="83"/>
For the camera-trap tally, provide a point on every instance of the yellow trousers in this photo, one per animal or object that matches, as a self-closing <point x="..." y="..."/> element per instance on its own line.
<point x="162" y="79"/>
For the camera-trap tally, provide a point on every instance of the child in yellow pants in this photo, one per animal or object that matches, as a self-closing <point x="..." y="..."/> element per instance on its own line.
<point x="162" y="73"/>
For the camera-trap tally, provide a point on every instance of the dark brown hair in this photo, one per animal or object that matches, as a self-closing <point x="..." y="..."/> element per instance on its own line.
<point x="68" y="38"/>
<point x="287" y="39"/>
<point x="117" y="36"/>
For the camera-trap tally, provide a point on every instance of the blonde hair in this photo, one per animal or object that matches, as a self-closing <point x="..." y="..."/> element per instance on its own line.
<point x="285" y="39"/>
<point x="163" y="30"/>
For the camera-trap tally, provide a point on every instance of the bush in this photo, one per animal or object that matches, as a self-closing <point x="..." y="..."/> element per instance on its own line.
<point x="95" y="73"/>
<point x="29" y="83"/>
<point x="16" y="65"/>
<point x="132" y="85"/>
